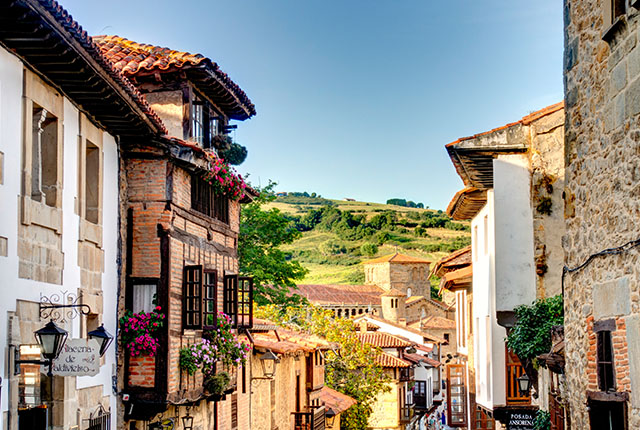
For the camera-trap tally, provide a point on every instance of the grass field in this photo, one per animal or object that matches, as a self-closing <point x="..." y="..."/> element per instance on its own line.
<point x="316" y="250"/>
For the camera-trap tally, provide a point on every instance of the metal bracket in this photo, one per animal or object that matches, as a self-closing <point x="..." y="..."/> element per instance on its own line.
<point x="60" y="306"/>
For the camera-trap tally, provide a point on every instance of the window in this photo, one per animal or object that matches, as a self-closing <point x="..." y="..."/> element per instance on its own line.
<point x="245" y="302"/>
<point x="92" y="183"/>
<point x="44" y="166"/>
<point x="230" y="297"/>
<point x="475" y="243"/>
<point x="457" y="394"/>
<point x="192" y="297"/>
<point x="461" y="320"/>
<point x="210" y="299"/>
<point x="205" y="200"/>
<point x="446" y="338"/>
<point x="604" y="354"/>
<point x="613" y="9"/>
<point x="486" y="235"/>
<point x="144" y="296"/>
<point x="409" y="292"/>
<point x="608" y="415"/>
<point x="205" y="122"/>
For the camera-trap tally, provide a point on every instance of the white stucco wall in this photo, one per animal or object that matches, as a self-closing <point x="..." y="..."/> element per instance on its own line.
<point x="514" y="261"/>
<point x="489" y="354"/>
<point x="14" y="288"/>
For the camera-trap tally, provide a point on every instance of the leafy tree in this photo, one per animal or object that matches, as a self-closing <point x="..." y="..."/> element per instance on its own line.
<point x="350" y="368"/>
<point x="369" y="249"/>
<point x="261" y="234"/>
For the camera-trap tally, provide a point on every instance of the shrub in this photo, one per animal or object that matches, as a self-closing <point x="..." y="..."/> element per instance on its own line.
<point x="531" y="334"/>
<point x="369" y="249"/>
<point x="217" y="384"/>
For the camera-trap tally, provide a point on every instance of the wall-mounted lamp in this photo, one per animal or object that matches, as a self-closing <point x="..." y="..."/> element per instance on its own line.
<point x="524" y="384"/>
<point x="268" y="361"/>
<point x="103" y="337"/>
<point x="187" y="421"/>
<point x="330" y="418"/>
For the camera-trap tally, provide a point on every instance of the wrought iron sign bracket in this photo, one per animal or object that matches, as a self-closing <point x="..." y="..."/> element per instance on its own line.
<point x="60" y="306"/>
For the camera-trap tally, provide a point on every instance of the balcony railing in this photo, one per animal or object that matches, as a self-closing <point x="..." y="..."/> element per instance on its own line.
<point x="309" y="420"/>
<point x="406" y="413"/>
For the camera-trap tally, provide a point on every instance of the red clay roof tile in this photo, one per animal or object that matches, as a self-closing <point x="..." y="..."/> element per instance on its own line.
<point x="397" y="258"/>
<point x="335" y="401"/>
<point x="341" y="294"/>
<point x="387" y="360"/>
<point x="383" y="340"/>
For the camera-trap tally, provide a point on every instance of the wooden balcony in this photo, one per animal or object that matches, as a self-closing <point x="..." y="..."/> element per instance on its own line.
<point x="406" y="413"/>
<point x="513" y="371"/>
<point x="309" y="420"/>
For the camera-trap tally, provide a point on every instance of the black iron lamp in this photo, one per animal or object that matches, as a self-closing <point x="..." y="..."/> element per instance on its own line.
<point x="524" y="384"/>
<point x="103" y="337"/>
<point x="411" y="350"/>
<point x="269" y="361"/>
<point x="51" y="339"/>
<point x="330" y="417"/>
<point x="187" y="421"/>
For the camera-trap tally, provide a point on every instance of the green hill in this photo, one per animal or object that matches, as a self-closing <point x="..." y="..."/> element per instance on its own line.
<point x="339" y="235"/>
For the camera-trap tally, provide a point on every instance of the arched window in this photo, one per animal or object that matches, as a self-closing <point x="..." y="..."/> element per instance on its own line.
<point x="408" y="292"/>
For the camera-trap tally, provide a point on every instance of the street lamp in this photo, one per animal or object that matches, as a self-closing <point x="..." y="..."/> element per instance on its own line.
<point x="269" y="361"/>
<point x="330" y="416"/>
<point x="103" y="337"/>
<point x="51" y="339"/>
<point x="187" y="421"/>
<point x="524" y="384"/>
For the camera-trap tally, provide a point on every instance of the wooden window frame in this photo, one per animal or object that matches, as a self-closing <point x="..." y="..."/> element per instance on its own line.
<point x="463" y="395"/>
<point x="204" y="200"/>
<point x="192" y="295"/>
<point x="206" y="298"/>
<point x="209" y="115"/>
<point x="605" y="366"/>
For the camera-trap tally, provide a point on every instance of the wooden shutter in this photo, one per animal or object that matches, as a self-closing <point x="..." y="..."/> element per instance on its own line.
<point x="230" y="298"/>
<point x="245" y="302"/>
<point x="192" y="297"/>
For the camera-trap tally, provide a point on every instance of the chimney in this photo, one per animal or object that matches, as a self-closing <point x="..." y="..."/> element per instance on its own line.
<point x="363" y="325"/>
<point x="402" y="322"/>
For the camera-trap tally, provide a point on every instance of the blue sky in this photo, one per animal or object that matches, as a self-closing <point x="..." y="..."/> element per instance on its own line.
<point x="357" y="98"/>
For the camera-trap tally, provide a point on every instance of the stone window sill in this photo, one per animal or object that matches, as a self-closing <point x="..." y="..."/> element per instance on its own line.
<point x="613" y="29"/>
<point x="34" y="212"/>
<point x="90" y="232"/>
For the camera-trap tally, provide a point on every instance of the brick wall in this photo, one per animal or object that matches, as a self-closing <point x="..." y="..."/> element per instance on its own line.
<point x="142" y="371"/>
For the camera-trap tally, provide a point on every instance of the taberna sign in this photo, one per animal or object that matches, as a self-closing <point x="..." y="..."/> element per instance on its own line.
<point x="79" y="357"/>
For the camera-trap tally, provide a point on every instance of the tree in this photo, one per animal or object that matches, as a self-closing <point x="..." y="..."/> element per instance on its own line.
<point x="262" y="232"/>
<point x="350" y="368"/>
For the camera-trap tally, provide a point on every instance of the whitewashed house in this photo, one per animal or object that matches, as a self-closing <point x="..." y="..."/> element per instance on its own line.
<point x="63" y="110"/>
<point x="516" y="251"/>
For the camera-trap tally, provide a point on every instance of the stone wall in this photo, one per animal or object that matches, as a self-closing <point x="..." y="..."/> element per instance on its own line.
<point x="602" y="96"/>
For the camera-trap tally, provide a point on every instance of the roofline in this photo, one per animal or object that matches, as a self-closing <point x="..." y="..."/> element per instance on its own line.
<point x="83" y="45"/>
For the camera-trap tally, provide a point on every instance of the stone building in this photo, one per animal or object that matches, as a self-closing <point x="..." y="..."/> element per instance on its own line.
<point x="62" y="107"/>
<point x="180" y="233"/>
<point x="63" y="113"/>
<point x="514" y="180"/>
<point x="601" y="284"/>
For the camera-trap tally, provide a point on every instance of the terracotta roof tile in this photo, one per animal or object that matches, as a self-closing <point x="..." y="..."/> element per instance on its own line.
<point x="387" y="360"/>
<point x="335" y="401"/>
<point x="383" y="340"/>
<point x="436" y="322"/>
<point x="417" y="358"/>
<point x="132" y="58"/>
<point x="413" y="299"/>
<point x="341" y="294"/>
<point x="397" y="258"/>
<point x="409" y="327"/>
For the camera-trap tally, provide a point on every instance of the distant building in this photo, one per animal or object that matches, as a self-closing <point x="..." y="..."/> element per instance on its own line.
<point x="347" y="199"/>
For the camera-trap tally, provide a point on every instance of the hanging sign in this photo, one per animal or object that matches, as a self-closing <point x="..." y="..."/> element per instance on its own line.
<point x="79" y="357"/>
<point x="520" y="419"/>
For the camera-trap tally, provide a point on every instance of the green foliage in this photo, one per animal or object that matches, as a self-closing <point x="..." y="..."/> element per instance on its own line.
<point x="369" y="249"/>
<point x="435" y="288"/>
<point x="404" y="203"/>
<point x="217" y="384"/>
<point x="542" y="420"/>
<point x="350" y="368"/>
<point x="188" y="361"/>
<point x="333" y="248"/>
<point x="262" y="232"/>
<point x="235" y="154"/>
<point x="531" y="335"/>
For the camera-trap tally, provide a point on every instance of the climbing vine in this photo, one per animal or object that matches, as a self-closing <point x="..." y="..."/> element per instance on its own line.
<point x="531" y="334"/>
